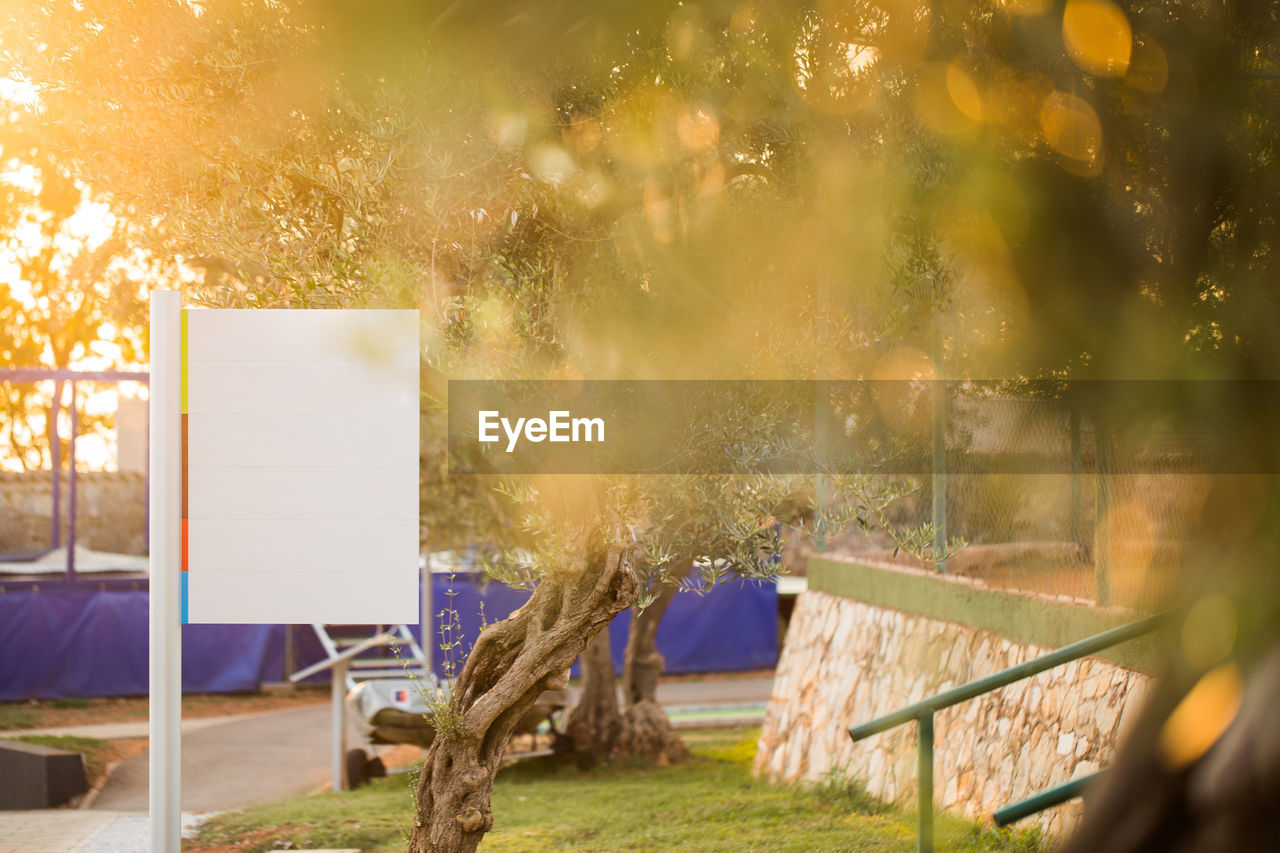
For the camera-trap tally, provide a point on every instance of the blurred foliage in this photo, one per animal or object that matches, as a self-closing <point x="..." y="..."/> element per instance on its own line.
<point x="1001" y="189"/>
<point x="722" y="189"/>
<point x="73" y="288"/>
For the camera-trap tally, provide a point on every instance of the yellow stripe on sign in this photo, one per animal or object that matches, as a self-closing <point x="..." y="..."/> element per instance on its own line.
<point x="183" y="371"/>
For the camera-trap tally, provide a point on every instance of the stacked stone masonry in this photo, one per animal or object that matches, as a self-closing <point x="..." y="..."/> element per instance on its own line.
<point x="110" y="511"/>
<point x="846" y="663"/>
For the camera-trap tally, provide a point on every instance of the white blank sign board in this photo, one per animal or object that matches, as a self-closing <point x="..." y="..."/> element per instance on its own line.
<point x="300" y="495"/>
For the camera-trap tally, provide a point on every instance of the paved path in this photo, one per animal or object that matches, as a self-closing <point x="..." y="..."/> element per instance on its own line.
<point x="243" y="761"/>
<point x="49" y="830"/>
<point x="716" y="691"/>
<point x="133" y="728"/>
<point x="72" y="831"/>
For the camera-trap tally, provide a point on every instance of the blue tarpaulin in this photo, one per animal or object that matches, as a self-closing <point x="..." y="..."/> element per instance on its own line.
<point x="65" y="643"/>
<point x="69" y="642"/>
<point x="733" y="627"/>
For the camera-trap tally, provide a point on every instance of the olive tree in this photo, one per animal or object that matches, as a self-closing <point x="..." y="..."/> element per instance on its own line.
<point x="658" y="192"/>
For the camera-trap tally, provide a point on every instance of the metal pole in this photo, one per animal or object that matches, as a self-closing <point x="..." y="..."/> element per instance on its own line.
<point x="820" y="528"/>
<point x="290" y="657"/>
<point x="425" y="620"/>
<point x="924" y="773"/>
<point x="338" y="739"/>
<point x="71" y="490"/>
<point x="55" y="460"/>
<point x="165" y="463"/>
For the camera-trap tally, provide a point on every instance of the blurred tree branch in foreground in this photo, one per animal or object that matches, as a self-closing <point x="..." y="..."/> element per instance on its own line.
<point x="892" y="189"/>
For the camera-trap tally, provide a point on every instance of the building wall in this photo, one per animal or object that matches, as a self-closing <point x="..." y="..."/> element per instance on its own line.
<point x="847" y="662"/>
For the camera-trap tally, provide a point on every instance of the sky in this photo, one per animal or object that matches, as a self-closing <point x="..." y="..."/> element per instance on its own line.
<point x="87" y="228"/>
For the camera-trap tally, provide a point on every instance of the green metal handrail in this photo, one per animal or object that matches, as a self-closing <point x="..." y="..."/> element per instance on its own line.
<point x="1045" y="799"/>
<point x="922" y="712"/>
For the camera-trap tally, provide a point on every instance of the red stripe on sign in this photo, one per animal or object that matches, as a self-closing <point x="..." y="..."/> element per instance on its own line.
<point x="184" y="544"/>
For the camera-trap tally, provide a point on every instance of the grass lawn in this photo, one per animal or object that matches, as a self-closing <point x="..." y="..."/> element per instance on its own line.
<point x="710" y="804"/>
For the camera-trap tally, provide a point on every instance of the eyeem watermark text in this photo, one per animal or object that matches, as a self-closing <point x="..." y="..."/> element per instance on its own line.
<point x="559" y="426"/>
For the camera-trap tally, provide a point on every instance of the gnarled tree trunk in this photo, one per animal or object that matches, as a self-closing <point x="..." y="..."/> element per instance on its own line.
<point x="646" y="729"/>
<point x="512" y="663"/>
<point x="593" y="723"/>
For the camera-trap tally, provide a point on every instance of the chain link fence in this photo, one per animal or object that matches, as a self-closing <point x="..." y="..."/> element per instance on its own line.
<point x="1045" y="504"/>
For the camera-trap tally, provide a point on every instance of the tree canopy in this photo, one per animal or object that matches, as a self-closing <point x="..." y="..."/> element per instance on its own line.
<point x="684" y="190"/>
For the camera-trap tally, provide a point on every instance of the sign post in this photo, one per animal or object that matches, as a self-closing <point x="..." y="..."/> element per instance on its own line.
<point x="165" y="635"/>
<point x="284" y="487"/>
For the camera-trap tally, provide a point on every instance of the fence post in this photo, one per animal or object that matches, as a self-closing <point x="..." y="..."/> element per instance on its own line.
<point x="55" y="462"/>
<point x="939" y="456"/>
<point x="924" y="776"/>
<point x="1101" y="521"/>
<point x="1077" y="491"/>
<point x="71" y="487"/>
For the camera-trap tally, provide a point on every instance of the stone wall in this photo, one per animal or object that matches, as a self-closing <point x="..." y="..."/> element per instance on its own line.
<point x="846" y="662"/>
<point x="110" y="511"/>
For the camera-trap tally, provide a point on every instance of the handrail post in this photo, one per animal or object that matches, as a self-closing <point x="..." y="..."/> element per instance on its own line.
<point x="923" y="711"/>
<point x="924" y="778"/>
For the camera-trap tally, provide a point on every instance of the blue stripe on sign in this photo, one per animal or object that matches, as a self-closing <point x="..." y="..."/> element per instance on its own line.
<point x="184" y="598"/>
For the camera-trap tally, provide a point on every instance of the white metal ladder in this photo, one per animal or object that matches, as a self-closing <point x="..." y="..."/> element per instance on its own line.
<point x="361" y="668"/>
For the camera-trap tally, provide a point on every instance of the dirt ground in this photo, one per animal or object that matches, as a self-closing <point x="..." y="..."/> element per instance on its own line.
<point x="1048" y="569"/>
<point x="61" y="713"/>
<point x="1128" y="588"/>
